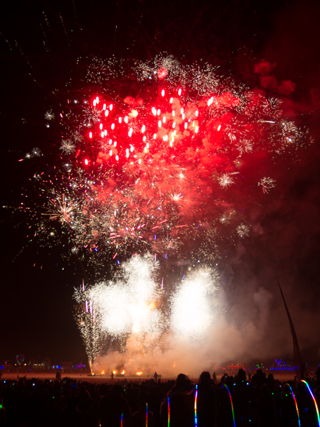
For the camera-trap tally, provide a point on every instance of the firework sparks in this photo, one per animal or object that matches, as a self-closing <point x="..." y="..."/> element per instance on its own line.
<point x="243" y="230"/>
<point x="266" y="184"/>
<point x="61" y="210"/>
<point x="192" y="310"/>
<point x="225" y="180"/>
<point x="139" y="174"/>
<point x="67" y="147"/>
<point x="49" y="115"/>
<point x="131" y="308"/>
<point x="128" y="306"/>
<point x="89" y="326"/>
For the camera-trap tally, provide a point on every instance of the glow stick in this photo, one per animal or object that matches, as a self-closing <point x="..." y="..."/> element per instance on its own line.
<point x="168" y="400"/>
<point x="196" y="407"/>
<point x="231" y="402"/>
<point x="314" y="400"/>
<point x="296" y="404"/>
<point x="121" y="420"/>
<point x="147" y="414"/>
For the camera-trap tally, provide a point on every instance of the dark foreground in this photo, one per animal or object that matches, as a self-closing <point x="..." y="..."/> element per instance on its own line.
<point x="100" y="401"/>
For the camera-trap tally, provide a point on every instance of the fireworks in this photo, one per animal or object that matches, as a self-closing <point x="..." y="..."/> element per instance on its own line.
<point x="49" y="115"/>
<point x="67" y="147"/>
<point x="128" y="306"/>
<point x="88" y="324"/>
<point x="266" y="184"/>
<point x="155" y="157"/>
<point x="192" y="308"/>
<point x="243" y="230"/>
<point x="155" y="150"/>
<point x="134" y="310"/>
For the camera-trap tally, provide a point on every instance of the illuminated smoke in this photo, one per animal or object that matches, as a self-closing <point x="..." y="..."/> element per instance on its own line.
<point x="192" y="310"/>
<point x="133" y="307"/>
<point x="129" y="304"/>
<point x="128" y="307"/>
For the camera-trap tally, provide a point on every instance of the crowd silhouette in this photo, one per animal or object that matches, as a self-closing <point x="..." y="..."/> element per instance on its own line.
<point x="232" y="401"/>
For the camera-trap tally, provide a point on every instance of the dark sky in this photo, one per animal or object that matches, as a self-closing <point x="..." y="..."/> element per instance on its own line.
<point x="37" y="56"/>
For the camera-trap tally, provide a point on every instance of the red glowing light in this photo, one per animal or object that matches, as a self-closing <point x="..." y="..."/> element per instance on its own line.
<point x="152" y="142"/>
<point x="162" y="73"/>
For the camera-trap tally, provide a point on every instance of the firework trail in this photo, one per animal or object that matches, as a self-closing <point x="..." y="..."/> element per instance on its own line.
<point x="88" y="322"/>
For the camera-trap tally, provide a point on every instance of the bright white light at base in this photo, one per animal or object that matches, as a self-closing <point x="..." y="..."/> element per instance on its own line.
<point x="129" y="305"/>
<point x="192" y="311"/>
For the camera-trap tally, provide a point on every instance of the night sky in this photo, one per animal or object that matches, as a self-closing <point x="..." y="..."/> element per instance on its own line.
<point x="38" y="57"/>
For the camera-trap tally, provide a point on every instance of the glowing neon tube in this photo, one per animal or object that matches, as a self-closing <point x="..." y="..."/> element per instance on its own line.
<point x="147" y="414"/>
<point x="196" y="407"/>
<point x="168" y="400"/>
<point x="314" y="400"/>
<point x="296" y="404"/>
<point x="231" y="403"/>
<point x="121" y="422"/>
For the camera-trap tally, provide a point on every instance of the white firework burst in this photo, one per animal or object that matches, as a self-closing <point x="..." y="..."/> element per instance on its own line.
<point x="245" y="147"/>
<point x="91" y="116"/>
<point x="225" y="218"/>
<point x="61" y="210"/>
<point x="192" y="309"/>
<point x="232" y="136"/>
<point x="176" y="196"/>
<point x="243" y="230"/>
<point x="49" y="115"/>
<point x="129" y="305"/>
<point x="169" y="63"/>
<point x="225" y="180"/>
<point x="36" y="152"/>
<point x="77" y="137"/>
<point x="267" y="183"/>
<point x="67" y="147"/>
<point x="204" y="80"/>
<point x="289" y="127"/>
<point x="274" y="102"/>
